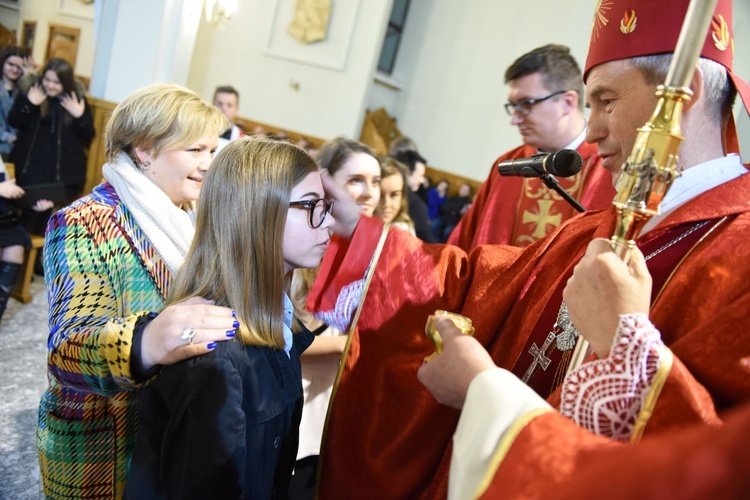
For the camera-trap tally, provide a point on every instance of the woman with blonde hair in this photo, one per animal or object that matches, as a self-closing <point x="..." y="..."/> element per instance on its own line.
<point x="225" y="425"/>
<point x="393" y="207"/>
<point x="109" y="261"/>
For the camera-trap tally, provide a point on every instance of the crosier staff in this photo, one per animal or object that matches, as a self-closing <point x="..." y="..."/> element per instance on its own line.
<point x="652" y="165"/>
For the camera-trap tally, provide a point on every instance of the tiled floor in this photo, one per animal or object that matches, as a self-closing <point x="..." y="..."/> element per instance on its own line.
<point x="23" y="338"/>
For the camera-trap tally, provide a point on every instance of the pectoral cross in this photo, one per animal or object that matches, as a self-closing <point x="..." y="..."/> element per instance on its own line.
<point x="540" y="358"/>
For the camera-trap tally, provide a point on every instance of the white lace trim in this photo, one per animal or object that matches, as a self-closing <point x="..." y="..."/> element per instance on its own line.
<point x="346" y="303"/>
<point x="606" y="396"/>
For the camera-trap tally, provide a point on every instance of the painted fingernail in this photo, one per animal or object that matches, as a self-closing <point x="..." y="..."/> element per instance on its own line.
<point x="234" y="314"/>
<point x="211" y="345"/>
<point x="231" y="333"/>
<point x="236" y="324"/>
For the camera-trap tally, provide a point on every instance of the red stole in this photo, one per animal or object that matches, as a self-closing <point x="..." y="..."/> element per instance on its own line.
<point x="545" y="380"/>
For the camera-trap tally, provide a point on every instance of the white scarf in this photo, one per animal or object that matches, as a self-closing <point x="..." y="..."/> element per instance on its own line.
<point x="169" y="228"/>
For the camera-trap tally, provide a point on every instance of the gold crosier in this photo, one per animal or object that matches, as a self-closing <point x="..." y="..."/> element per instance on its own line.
<point x="652" y="166"/>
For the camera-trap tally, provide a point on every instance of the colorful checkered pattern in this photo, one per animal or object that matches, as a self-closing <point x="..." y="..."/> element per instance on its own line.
<point x="102" y="274"/>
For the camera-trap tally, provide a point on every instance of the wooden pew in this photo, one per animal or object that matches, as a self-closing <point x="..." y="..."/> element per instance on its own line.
<point x="379" y="130"/>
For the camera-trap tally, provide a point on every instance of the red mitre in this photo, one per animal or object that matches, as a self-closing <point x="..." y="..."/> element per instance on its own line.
<point x="629" y="28"/>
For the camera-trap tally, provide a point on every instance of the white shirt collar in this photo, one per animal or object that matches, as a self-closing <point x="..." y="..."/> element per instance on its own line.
<point x="288" y="314"/>
<point x="697" y="180"/>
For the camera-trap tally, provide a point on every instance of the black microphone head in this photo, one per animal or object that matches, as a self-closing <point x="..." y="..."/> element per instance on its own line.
<point x="565" y="163"/>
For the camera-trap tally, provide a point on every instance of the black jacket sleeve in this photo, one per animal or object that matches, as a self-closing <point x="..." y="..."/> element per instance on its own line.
<point x="84" y="125"/>
<point x="418" y="214"/>
<point x="22" y="112"/>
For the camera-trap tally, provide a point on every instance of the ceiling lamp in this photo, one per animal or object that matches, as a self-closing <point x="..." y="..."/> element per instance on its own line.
<point x="218" y="12"/>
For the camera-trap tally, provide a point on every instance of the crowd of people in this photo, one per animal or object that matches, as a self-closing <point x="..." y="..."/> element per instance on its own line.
<point x="234" y="315"/>
<point x="45" y="130"/>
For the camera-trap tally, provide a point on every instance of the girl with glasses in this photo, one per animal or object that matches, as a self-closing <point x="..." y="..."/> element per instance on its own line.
<point x="225" y="425"/>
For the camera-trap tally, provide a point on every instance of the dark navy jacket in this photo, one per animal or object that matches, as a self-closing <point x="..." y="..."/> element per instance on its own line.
<point x="221" y="425"/>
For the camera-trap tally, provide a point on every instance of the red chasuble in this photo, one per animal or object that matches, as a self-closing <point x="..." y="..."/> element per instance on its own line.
<point x="551" y="457"/>
<point x="387" y="437"/>
<point x="518" y="211"/>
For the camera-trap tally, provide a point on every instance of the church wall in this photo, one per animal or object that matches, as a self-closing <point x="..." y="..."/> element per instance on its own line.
<point x="450" y="67"/>
<point x="46" y="12"/>
<point x="313" y="100"/>
<point x="451" y="64"/>
<point x="452" y="61"/>
<point x="742" y="68"/>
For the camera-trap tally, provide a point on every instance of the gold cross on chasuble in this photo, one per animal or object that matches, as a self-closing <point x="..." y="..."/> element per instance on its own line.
<point x="543" y="218"/>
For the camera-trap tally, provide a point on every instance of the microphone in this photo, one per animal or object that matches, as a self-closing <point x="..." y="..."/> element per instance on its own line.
<point x="563" y="163"/>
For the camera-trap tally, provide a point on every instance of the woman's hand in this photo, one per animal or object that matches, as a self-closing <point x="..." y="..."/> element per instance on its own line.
<point x="162" y="339"/>
<point x="345" y="209"/>
<point x="9" y="190"/>
<point x="42" y="205"/>
<point x="36" y="94"/>
<point x="11" y="139"/>
<point x="601" y="289"/>
<point x="28" y="64"/>
<point x="72" y="104"/>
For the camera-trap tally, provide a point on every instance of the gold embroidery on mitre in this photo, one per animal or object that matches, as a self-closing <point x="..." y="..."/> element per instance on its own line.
<point x="600" y="20"/>
<point x="720" y="33"/>
<point x="628" y="22"/>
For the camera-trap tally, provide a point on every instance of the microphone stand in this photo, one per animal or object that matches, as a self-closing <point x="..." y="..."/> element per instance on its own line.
<point x="552" y="183"/>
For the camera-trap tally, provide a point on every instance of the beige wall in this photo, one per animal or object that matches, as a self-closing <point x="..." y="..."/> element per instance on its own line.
<point x="73" y="13"/>
<point x="450" y="66"/>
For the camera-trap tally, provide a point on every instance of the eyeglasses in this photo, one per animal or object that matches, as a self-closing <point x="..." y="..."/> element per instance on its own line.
<point x="523" y="108"/>
<point x="318" y="210"/>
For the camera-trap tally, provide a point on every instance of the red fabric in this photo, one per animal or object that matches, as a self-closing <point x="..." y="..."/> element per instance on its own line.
<point x="628" y="28"/>
<point x="553" y="458"/>
<point x="681" y="237"/>
<point x="507" y="210"/>
<point x="399" y="435"/>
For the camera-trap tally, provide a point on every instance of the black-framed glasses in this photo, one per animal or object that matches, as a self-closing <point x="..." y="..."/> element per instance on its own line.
<point x="523" y="108"/>
<point x="318" y="210"/>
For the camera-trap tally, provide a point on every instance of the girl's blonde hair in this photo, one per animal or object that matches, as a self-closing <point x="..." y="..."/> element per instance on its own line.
<point x="388" y="167"/>
<point x="158" y="117"/>
<point x="236" y="258"/>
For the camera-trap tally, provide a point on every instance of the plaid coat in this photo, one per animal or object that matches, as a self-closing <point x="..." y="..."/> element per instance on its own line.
<point x="102" y="275"/>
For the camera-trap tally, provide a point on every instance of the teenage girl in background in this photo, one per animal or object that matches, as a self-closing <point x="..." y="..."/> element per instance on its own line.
<point x="55" y="127"/>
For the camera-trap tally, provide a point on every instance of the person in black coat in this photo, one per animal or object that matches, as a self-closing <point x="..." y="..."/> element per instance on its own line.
<point x="417" y="207"/>
<point x="54" y="128"/>
<point x="453" y="209"/>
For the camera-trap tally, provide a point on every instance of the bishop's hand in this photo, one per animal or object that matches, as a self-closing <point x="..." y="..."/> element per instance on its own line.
<point x="448" y="375"/>
<point x="601" y="289"/>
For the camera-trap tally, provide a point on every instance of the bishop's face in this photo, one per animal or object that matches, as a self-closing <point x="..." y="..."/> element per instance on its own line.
<point x="621" y="101"/>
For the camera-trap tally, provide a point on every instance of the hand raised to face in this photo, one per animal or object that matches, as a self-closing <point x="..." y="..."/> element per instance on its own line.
<point x="73" y="104"/>
<point x="345" y="210"/>
<point x="36" y="94"/>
